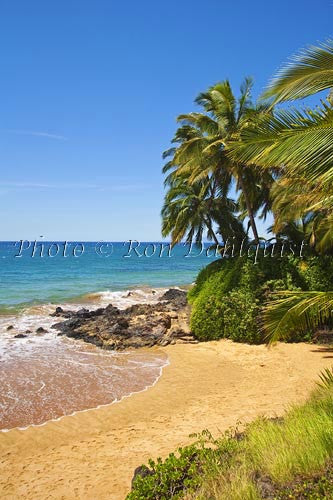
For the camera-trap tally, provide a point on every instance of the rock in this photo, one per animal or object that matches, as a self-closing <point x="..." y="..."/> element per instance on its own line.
<point x="61" y="312"/>
<point x="40" y="329"/>
<point x="177" y="332"/>
<point x="139" y="309"/>
<point x="174" y="294"/>
<point x="110" y="310"/>
<point x="83" y="313"/>
<point x="323" y="336"/>
<point x="67" y="326"/>
<point x="118" y="328"/>
<point x="20" y="336"/>
<point x="188" y="339"/>
<point x="140" y="325"/>
<point x="123" y="323"/>
<point x="97" y="312"/>
<point x="164" y="342"/>
<point x="173" y="315"/>
<point x="28" y="331"/>
<point x="10" y="327"/>
<point x="264" y="484"/>
<point x="142" y="471"/>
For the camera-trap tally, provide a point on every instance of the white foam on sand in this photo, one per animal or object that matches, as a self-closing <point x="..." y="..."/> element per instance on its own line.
<point x="46" y="377"/>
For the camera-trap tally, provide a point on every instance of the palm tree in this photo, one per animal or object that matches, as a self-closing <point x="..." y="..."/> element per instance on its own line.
<point x="300" y="142"/>
<point x="203" y="141"/>
<point x="192" y="209"/>
<point x="297" y="311"/>
<point x="308" y="72"/>
<point x="301" y="206"/>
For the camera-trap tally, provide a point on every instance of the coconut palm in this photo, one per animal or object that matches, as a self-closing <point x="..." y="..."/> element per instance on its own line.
<point x="302" y="312"/>
<point x="192" y="210"/>
<point x="300" y="143"/>
<point x="203" y="142"/>
<point x="308" y="72"/>
<point x="305" y="205"/>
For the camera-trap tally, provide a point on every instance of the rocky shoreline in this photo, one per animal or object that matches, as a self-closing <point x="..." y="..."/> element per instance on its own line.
<point x="140" y="325"/>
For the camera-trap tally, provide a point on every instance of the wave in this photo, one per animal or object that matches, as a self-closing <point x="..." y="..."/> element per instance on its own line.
<point x="119" y="298"/>
<point x="46" y="377"/>
<point x="20" y="428"/>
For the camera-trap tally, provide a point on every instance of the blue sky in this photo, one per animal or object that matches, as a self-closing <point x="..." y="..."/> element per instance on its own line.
<point x="90" y="92"/>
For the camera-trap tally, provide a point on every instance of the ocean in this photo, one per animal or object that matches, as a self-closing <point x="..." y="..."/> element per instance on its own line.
<point x="45" y="377"/>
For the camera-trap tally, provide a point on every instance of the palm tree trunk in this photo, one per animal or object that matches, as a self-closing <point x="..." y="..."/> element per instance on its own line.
<point x="249" y="209"/>
<point x="215" y="239"/>
<point x="209" y="225"/>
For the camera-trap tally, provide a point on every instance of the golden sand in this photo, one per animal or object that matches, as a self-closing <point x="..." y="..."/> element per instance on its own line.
<point x="92" y="455"/>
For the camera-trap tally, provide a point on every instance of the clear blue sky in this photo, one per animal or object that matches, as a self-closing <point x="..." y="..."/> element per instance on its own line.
<point x="90" y="91"/>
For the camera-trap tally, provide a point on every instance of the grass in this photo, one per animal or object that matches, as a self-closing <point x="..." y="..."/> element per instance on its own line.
<point x="273" y="459"/>
<point x="313" y="487"/>
<point x="274" y="453"/>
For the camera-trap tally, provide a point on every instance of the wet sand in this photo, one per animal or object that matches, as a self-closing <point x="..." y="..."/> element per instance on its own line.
<point x="59" y="376"/>
<point x="214" y="385"/>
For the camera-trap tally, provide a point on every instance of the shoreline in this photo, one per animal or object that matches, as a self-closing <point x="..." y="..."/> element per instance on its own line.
<point x="92" y="298"/>
<point x="122" y="298"/>
<point x="208" y="385"/>
<point x="58" y="419"/>
<point x="49" y="343"/>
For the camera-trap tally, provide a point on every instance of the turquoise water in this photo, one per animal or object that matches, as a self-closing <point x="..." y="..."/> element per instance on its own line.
<point x="34" y="281"/>
<point x="36" y="275"/>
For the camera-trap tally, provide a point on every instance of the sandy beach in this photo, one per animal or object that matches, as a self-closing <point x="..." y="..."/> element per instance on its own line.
<point x="211" y="385"/>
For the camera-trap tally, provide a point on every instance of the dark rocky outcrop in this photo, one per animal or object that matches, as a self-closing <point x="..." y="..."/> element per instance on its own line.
<point x="20" y="336"/>
<point x="40" y="329"/>
<point x="140" y="325"/>
<point x="176" y="297"/>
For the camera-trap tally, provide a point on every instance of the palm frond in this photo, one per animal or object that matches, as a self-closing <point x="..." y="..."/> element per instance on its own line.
<point x="310" y="71"/>
<point x="326" y="379"/>
<point x="244" y="101"/>
<point x="299" y="140"/>
<point x="296" y="312"/>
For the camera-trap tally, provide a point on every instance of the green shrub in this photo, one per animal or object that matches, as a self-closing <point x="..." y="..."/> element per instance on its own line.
<point x="229" y="293"/>
<point x="171" y="477"/>
<point x="317" y="273"/>
<point x="168" y="479"/>
<point x="272" y="458"/>
<point x="313" y="487"/>
<point x="230" y="275"/>
<point x="241" y="313"/>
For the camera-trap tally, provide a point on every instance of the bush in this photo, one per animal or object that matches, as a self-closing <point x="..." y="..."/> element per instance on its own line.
<point x="272" y="458"/>
<point x="185" y="471"/>
<point x="313" y="487"/>
<point x="229" y="293"/>
<point x="170" y="478"/>
<point x="241" y="309"/>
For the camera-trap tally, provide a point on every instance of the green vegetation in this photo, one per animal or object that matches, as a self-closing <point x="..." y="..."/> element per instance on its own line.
<point x="313" y="487"/>
<point x="227" y="300"/>
<point x="281" y="458"/>
<point x="280" y="160"/>
<point x="199" y="159"/>
<point x="168" y="479"/>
